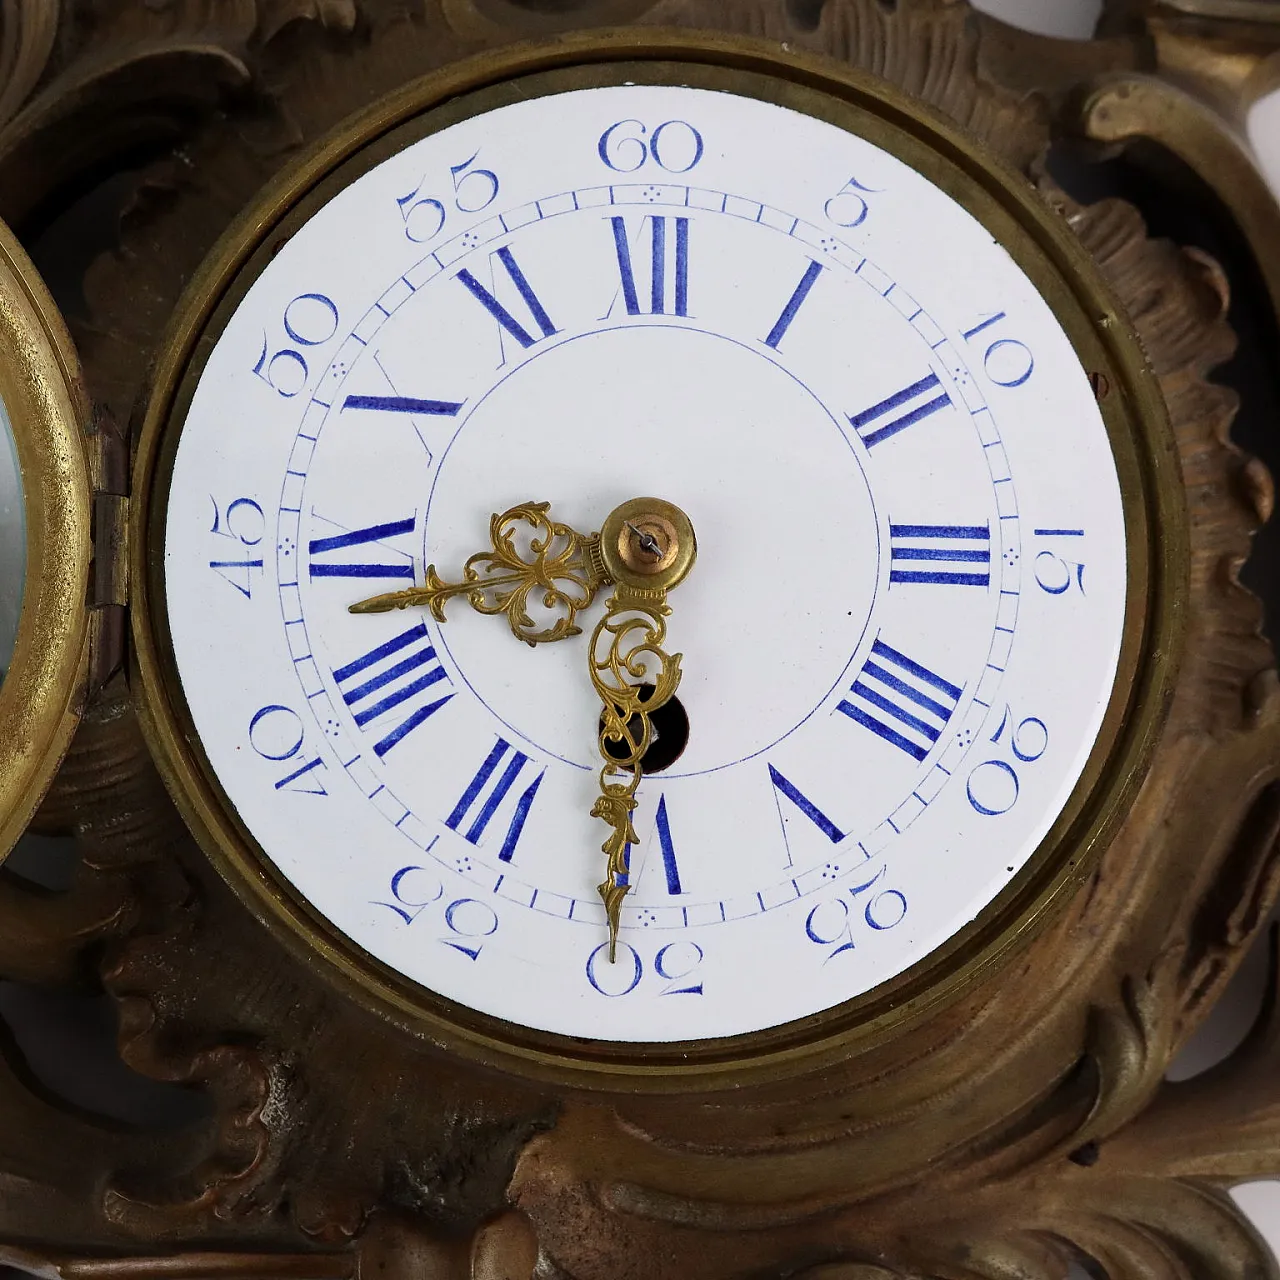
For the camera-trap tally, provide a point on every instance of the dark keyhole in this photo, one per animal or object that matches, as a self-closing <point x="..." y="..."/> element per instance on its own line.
<point x="670" y="735"/>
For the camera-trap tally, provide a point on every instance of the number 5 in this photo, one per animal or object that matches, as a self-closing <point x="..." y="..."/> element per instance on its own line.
<point x="463" y="175"/>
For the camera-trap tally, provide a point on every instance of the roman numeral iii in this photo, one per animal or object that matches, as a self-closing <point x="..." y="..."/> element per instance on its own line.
<point x="392" y="689"/>
<point x="940" y="554"/>
<point x="902" y="702"/>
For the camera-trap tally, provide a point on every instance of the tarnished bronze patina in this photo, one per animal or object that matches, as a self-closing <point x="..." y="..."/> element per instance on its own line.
<point x="994" y="1116"/>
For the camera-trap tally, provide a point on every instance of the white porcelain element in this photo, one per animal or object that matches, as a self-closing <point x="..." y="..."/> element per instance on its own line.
<point x="1069" y="19"/>
<point x="899" y="639"/>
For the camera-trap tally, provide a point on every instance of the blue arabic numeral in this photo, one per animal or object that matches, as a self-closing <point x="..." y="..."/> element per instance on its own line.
<point x="471" y="921"/>
<point x="276" y="733"/>
<point x="1007" y="362"/>
<point x="677" y="963"/>
<point x="310" y="320"/>
<point x="614" y="980"/>
<point x="243" y="522"/>
<point x="630" y="152"/>
<point x="848" y="208"/>
<point x="422" y="893"/>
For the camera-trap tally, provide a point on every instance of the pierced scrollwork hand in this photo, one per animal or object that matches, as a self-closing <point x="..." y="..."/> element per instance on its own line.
<point x="634" y="677"/>
<point x="645" y="549"/>
<point x="563" y="565"/>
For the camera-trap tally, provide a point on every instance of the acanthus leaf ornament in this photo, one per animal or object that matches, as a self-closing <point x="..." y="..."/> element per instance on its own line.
<point x="932" y="46"/>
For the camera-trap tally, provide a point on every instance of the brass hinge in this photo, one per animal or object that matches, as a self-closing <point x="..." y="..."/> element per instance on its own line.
<point x="109" y="573"/>
<point x="110" y="586"/>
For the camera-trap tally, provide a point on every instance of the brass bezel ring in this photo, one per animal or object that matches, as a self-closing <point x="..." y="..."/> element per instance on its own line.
<point x="1142" y="442"/>
<point x="41" y="388"/>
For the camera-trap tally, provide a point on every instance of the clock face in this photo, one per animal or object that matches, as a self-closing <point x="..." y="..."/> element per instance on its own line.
<point x="899" y="642"/>
<point x="13" y="541"/>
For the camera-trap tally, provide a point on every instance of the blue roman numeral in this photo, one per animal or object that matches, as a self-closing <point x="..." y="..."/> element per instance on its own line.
<point x="951" y="554"/>
<point x="917" y="402"/>
<point x="803" y="289"/>
<point x="404" y="404"/>
<point x="667" y="845"/>
<point x="500" y="313"/>
<point x="901" y="701"/>
<point x="784" y="787"/>
<point x="658" y="267"/>
<point x="480" y="801"/>
<point x="343" y="568"/>
<point x="389" y="680"/>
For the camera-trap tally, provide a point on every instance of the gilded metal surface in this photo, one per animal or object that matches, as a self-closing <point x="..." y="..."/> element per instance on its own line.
<point x="1036" y="237"/>
<point x="635" y="677"/>
<point x="40" y="389"/>
<point x="1021" y="1124"/>
<point x="651" y="549"/>
<point x="548" y="558"/>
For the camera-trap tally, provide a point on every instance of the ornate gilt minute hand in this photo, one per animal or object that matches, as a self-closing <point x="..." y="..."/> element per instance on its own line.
<point x="646" y="548"/>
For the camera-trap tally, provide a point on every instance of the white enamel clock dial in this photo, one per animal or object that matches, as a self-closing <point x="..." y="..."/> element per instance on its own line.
<point x="899" y="641"/>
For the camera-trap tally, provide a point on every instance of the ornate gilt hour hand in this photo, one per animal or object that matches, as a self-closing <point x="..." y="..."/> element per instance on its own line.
<point x="564" y="565"/>
<point x="645" y="549"/>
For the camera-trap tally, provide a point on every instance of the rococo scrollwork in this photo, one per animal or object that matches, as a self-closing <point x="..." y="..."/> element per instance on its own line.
<point x="562" y="568"/>
<point x="1026" y="1126"/>
<point x="635" y="678"/>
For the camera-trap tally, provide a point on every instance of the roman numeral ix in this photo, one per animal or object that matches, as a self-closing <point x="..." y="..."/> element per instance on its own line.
<point x="329" y="561"/>
<point x="914" y="404"/>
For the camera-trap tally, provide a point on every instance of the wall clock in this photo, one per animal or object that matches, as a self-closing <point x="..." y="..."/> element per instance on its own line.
<point x="686" y="707"/>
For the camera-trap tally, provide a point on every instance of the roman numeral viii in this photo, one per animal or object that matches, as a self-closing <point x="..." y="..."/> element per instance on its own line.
<point x="901" y="701"/>
<point x="940" y="554"/>
<point x="392" y="690"/>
